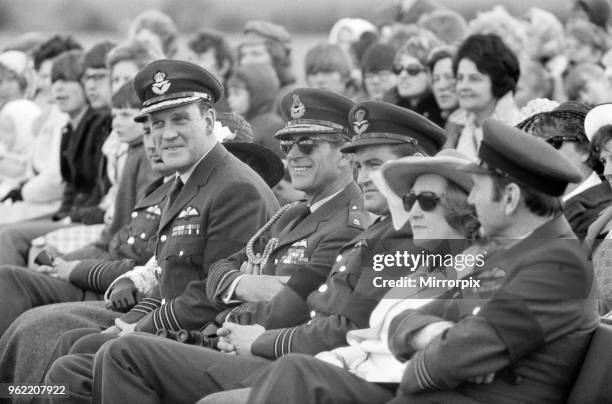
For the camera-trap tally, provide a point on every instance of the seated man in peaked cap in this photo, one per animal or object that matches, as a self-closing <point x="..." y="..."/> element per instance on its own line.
<point x="527" y="329"/>
<point x="297" y="247"/>
<point x="341" y="302"/>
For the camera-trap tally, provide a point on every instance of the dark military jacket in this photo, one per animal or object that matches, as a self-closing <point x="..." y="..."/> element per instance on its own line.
<point x="345" y="299"/>
<point x="222" y="204"/>
<point x="529" y="322"/>
<point x="581" y="210"/>
<point x="305" y="252"/>
<point x="132" y="245"/>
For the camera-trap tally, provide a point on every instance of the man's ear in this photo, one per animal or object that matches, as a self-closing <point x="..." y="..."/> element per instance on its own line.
<point x="346" y="159"/>
<point x="210" y="116"/>
<point x="511" y="198"/>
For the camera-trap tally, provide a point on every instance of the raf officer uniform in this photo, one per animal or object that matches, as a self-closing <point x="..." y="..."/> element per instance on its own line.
<point x="208" y="216"/>
<point x="529" y="321"/>
<point x="23" y="289"/>
<point x="341" y="303"/>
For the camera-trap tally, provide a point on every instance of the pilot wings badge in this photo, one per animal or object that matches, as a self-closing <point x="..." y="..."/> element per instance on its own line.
<point x="297" y="108"/>
<point x="160" y="85"/>
<point x="360" y="121"/>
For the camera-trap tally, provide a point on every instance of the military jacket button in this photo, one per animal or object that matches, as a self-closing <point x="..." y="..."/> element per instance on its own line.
<point x="356" y="222"/>
<point x="276" y="261"/>
<point x="323" y="288"/>
<point x="339" y="258"/>
<point x="130" y="240"/>
<point x="476" y="310"/>
<point x="342" y="268"/>
<point x="143" y="235"/>
<point x="134" y="215"/>
<point x="313" y="314"/>
<point x="163" y="238"/>
<point x="163" y="301"/>
<point x="181" y="253"/>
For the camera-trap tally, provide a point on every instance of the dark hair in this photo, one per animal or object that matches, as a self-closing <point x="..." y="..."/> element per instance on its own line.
<point x="205" y="40"/>
<point x="493" y="58"/>
<point x="68" y="66"/>
<point x="602" y="136"/>
<point x="459" y="214"/>
<point x="327" y="58"/>
<point x="95" y="57"/>
<point x="126" y="97"/>
<point x="53" y="47"/>
<point x="440" y="53"/>
<point x="537" y="202"/>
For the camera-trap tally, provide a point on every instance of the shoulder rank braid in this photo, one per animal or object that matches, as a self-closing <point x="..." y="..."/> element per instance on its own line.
<point x="272" y="243"/>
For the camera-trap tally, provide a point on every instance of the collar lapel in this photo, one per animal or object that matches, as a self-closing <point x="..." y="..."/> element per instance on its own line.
<point x="198" y="178"/>
<point x="324" y="213"/>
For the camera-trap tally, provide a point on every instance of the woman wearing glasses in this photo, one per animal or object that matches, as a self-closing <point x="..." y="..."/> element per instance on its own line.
<point x="413" y="89"/>
<point x="487" y="72"/>
<point x="431" y="192"/>
<point x="564" y="129"/>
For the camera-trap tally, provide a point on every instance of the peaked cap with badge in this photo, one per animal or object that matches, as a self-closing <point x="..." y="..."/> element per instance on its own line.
<point x="168" y="83"/>
<point x="315" y="112"/>
<point x="528" y="159"/>
<point x="378" y="123"/>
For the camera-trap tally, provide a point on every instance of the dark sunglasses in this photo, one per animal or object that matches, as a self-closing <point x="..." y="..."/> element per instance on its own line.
<point x="305" y="145"/>
<point x="412" y="70"/>
<point x="427" y="201"/>
<point x="557" y="141"/>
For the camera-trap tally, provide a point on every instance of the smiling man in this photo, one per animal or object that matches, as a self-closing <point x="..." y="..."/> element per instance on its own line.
<point x="294" y="252"/>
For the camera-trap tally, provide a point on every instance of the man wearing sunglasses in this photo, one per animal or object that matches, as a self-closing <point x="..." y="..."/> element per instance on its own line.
<point x="563" y="128"/>
<point x="527" y="336"/>
<point x="264" y="285"/>
<point x="342" y="302"/>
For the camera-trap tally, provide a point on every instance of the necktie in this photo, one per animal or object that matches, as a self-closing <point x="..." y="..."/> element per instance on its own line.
<point x="301" y="215"/>
<point x="176" y="189"/>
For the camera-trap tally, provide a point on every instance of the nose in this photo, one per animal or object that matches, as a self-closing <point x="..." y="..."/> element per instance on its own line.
<point x="415" y="212"/>
<point x="470" y="199"/>
<point x="363" y="177"/>
<point x="168" y="133"/>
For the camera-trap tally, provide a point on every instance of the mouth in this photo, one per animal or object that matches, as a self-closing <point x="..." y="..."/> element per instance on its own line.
<point x="172" y="148"/>
<point x="299" y="169"/>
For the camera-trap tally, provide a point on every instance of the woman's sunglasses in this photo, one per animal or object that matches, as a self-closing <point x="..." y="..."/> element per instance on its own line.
<point x="557" y="141"/>
<point x="305" y="145"/>
<point x="412" y="70"/>
<point x="427" y="201"/>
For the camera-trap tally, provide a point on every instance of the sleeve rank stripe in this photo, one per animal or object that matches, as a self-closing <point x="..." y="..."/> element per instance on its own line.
<point x="176" y="322"/>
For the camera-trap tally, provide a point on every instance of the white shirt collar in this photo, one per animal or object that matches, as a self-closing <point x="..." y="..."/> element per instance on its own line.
<point x="320" y="203"/>
<point x="185" y="176"/>
<point x="589" y="182"/>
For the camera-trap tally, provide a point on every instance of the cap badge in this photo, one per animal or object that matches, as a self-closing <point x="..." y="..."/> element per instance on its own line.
<point x="297" y="108"/>
<point x="160" y="85"/>
<point x="360" y="121"/>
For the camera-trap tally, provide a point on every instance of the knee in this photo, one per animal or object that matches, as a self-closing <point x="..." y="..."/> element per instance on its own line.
<point x="294" y="363"/>
<point x="59" y="371"/>
<point x="87" y="343"/>
<point x="119" y="348"/>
